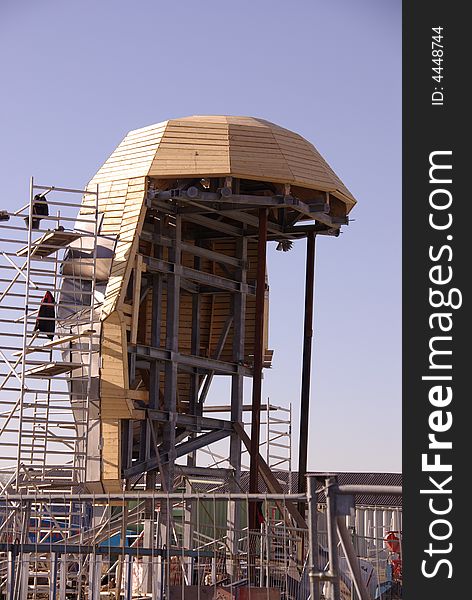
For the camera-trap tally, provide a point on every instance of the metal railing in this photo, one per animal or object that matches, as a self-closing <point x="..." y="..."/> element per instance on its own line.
<point x="180" y="545"/>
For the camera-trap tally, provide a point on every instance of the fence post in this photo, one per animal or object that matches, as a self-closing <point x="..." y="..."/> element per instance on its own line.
<point x="352" y="559"/>
<point x="53" y="576"/>
<point x="11" y="575"/>
<point x="312" y="498"/>
<point x="331" y="485"/>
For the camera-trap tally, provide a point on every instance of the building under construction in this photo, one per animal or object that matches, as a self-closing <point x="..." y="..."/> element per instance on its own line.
<point x="120" y="303"/>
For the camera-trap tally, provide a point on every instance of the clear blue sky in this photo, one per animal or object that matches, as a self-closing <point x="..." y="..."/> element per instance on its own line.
<point x="76" y="76"/>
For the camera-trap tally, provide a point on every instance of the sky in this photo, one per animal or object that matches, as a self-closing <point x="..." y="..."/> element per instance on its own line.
<point x="76" y="76"/>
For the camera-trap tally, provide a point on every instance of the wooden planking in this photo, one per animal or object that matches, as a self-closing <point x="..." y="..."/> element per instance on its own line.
<point x="307" y="164"/>
<point x="253" y="160"/>
<point x="114" y="368"/>
<point x="181" y="141"/>
<point x="50" y="242"/>
<point x="53" y="368"/>
<point x="129" y="238"/>
<point x="134" y="155"/>
<point x="207" y="148"/>
<point x="111" y="455"/>
<point x="124" y="223"/>
<point x="212" y="121"/>
<point x="200" y="155"/>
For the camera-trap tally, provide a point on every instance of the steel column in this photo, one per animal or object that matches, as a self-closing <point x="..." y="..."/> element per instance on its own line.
<point x="237" y="399"/>
<point x="258" y="363"/>
<point x="330" y="491"/>
<point x="155" y="367"/>
<point x="306" y="365"/>
<point x="172" y="344"/>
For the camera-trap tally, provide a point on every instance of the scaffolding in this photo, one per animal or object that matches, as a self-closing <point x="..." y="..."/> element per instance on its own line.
<point x="49" y="310"/>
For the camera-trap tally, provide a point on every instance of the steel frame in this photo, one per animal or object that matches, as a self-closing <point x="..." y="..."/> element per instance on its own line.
<point x="221" y="211"/>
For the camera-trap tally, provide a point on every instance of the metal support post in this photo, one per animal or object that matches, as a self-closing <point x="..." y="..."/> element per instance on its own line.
<point x="306" y="366"/>
<point x="258" y="363"/>
<point x="172" y="344"/>
<point x="63" y="577"/>
<point x="257" y="391"/>
<point x="148" y="543"/>
<point x="330" y="491"/>
<point x="11" y="575"/>
<point x="95" y="576"/>
<point x="53" y="570"/>
<point x="237" y="399"/>
<point x="312" y="498"/>
<point x="155" y="367"/>
<point x="128" y="577"/>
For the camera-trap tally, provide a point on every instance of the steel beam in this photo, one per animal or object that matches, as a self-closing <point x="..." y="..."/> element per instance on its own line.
<point x="271" y="481"/>
<point x="192" y="249"/>
<point x="215" y="225"/>
<point x="155" y="265"/>
<point x="199" y="362"/>
<point x="192" y="420"/>
<point x="179" y="450"/>
<point x="100" y="550"/>
<point x="218" y="473"/>
<point x="207" y="200"/>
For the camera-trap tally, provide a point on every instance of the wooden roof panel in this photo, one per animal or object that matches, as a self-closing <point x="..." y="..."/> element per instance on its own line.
<point x="247" y="147"/>
<point x="232" y="145"/>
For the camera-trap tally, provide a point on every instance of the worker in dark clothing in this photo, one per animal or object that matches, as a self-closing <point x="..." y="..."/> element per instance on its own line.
<point x="45" y="321"/>
<point x="39" y="209"/>
<point x="260" y="513"/>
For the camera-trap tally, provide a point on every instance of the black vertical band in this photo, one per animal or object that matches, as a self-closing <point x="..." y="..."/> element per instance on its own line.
<point x="436" y="321"/>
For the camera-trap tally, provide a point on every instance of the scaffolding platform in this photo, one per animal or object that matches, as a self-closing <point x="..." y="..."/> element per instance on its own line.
<point x="54" y="343"/>
<point x="50" y="242"/>
<point x="53" y="368"/>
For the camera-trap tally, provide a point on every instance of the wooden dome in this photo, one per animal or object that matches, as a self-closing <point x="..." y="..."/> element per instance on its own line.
<point x="243" y="147"/>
